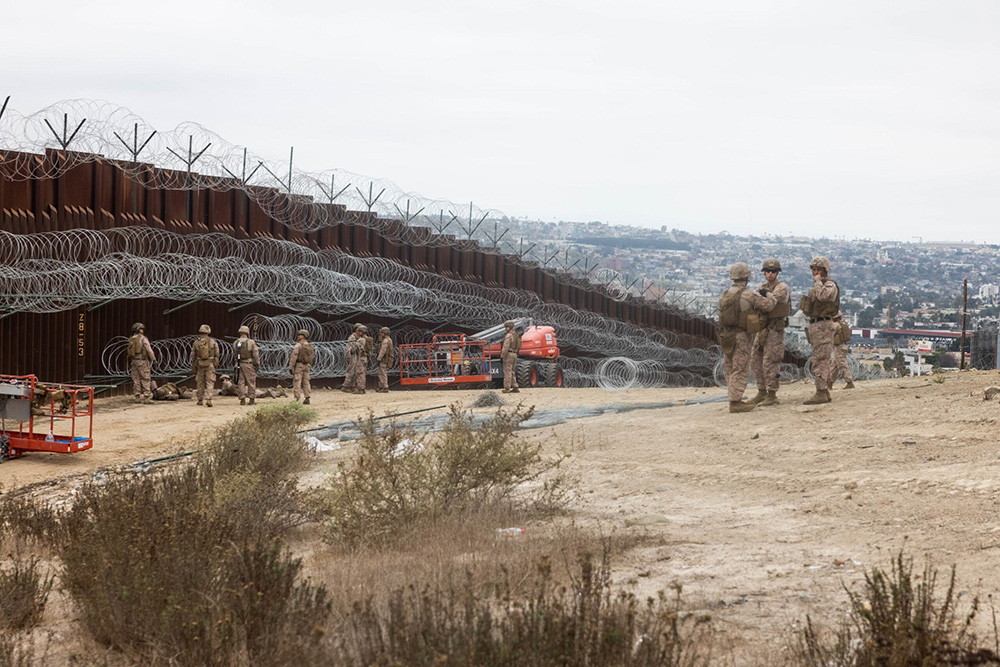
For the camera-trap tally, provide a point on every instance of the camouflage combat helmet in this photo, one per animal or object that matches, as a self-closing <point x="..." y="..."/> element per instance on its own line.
<point x="509" y="324"/>
<point x="384" y="330"/>
<point x="138" y="325"/>
<point x="359" y="325"/>
<point x="820" y="263"/>
<point x="302" y="332"/>
<point x="244" y="330"/>
<point x="771" y="265"/>
<point x="204" y="328"/>
<point x="739" y="271"/>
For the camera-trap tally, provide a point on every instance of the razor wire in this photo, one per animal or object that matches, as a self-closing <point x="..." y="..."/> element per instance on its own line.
<point x="55" y="271"/>
<point x="191" y="157"/>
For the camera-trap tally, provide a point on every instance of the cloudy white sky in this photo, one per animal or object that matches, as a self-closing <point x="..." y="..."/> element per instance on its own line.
<point x="874" y="118"/>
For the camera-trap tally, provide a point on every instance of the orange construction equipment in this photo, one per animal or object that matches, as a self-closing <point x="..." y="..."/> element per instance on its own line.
<point x="447" y="359"/>
<point x="457" y="358"/>
<point x="46" y="416"/>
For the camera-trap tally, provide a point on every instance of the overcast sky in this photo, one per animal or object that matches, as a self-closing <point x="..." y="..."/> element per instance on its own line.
<point x="870" y="118"/>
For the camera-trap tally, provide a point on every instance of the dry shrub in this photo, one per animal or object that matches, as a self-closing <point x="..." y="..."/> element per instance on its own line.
<point x="899" y="620"/>
<point x="184" y="566"/>
<point x="582" y="624"/>
<point x="24" y="590"/>
<point x="16" y="651"/>
<point x="400" y="482"/>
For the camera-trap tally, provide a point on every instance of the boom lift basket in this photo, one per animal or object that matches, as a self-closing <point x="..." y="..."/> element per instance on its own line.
<point x="44" y="417"/>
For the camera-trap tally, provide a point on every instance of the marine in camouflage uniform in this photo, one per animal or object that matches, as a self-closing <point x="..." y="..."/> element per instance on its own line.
<point x="737" y="306"/>
<point x="822" y="308"/>
<point x="359" y="346"/>
<point x="204" y="360"/>
<point x="384" y="358"/>
<point x="769" y="346"/>
<point x="508" y="353"/>
<point x="248" y="358"/>
<point x="141" y="360"/>
<point x="300" y="364"/>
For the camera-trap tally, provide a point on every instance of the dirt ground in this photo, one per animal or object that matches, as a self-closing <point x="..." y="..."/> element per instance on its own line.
<point x="761" y="517"/>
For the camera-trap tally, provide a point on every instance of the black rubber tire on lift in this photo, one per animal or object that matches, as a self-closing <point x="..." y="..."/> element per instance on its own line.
<point x="522" y="373"/>
<point x="551" y="373"/>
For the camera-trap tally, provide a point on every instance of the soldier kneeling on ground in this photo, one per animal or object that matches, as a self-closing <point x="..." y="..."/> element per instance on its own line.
<point x="228" y="388"/>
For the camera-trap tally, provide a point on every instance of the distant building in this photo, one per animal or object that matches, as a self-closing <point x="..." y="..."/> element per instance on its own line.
<point x="989" y="292"/>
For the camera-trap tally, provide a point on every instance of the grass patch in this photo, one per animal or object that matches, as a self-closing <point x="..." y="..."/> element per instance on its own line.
<point x="400" y="482"/>
<point x="585" y="623"/>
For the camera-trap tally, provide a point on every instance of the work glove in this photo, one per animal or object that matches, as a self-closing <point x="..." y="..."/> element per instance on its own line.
<point x="762" y="291"/>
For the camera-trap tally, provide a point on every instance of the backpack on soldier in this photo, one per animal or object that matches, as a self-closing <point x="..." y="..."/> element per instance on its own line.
<point x="135" y="346"/>
<point x="729" y="308"/>
<point x="305" y="353"/>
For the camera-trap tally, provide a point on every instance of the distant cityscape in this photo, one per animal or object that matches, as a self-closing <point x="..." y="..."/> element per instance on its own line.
<point x="903" y="285"/>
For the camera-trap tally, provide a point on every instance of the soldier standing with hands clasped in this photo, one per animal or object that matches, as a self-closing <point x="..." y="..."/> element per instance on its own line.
<point x="141" y="360"/>
<point x="384" y="358"/>
<point x="822" y="308"/>
<point x="741" y="314"/>
<point x="508" y="353"/>
<point x="300" y="363"/>
<point x="204" y="359"/>
<point x="769" y="345"/>
<point x="248" y="361"/>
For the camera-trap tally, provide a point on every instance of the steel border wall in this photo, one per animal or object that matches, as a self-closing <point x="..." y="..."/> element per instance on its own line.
<point x="97" y="194"/>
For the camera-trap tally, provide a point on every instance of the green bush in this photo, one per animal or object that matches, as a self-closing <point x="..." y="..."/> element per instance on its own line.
<point x="399" y="480"/>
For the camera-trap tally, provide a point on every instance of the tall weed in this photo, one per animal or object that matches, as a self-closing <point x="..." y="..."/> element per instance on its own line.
<point x="900" y="619"/>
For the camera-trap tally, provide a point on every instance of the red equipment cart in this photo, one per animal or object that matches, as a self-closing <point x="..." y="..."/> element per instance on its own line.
<point x="45" y="415"/>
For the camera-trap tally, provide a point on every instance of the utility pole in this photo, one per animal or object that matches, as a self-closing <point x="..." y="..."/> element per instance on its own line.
<point x="965" y="317"/>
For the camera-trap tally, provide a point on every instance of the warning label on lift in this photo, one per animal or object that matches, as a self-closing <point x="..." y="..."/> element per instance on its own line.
<point x="448" y="379"/>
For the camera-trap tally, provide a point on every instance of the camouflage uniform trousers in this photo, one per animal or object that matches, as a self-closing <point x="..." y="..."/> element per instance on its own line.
<point x="821" y="338"/>
<point x="141" y="378"/>
<point x="300" y="381"/>
<point x="509" y="366"/>
<point x="205" y="378"/>
<point x="356" y="377"/>
<point x="768" y="351"/>
<point x="737" y="364"/>
<point x="383" y="375"/>
<point x="840" y="366"/>
<point x="247" y="388"/>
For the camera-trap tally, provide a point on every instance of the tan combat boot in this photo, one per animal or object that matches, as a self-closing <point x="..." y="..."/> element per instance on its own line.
<point x="208" y="403"/>
<point x="771" y="399"/>
<point x="849" y="385"/>
<point x="515" y="390"/>
<point x="740" y="406"/>
<point x="200" y="402"/>
<point x="761" y="395"/>
<point x="306" y="402"/>
<point x="243" y="401"/>
<point x="818" y="397"/>
<point x="252" y="399"/>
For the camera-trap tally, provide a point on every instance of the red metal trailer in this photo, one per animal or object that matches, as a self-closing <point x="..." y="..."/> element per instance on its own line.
<point x="46" y="416"/>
